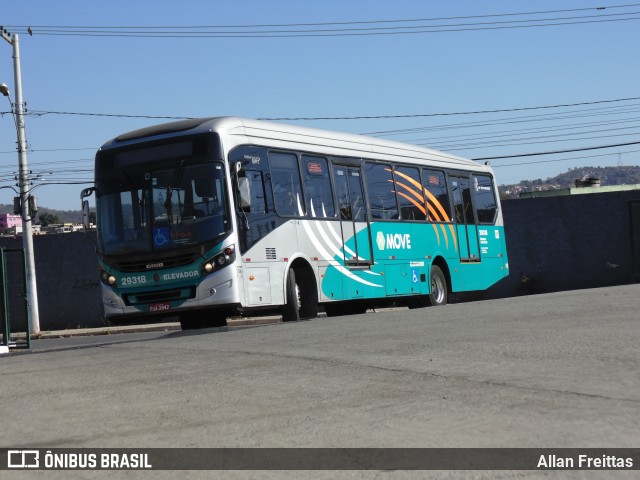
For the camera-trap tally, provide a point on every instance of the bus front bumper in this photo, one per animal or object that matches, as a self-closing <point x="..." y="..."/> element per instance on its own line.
<point x="217" y="289"/>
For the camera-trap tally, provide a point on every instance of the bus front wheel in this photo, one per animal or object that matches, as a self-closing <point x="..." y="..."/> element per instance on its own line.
<point x="438" y="295"/>
<point x="291" y="309"/>
<point x="301" y="295"/>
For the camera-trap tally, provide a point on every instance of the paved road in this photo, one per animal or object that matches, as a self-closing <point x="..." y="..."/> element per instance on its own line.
<point x="557" y="370"/>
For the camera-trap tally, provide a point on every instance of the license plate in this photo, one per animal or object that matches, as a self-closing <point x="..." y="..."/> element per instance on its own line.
<point x="159" y="307"/>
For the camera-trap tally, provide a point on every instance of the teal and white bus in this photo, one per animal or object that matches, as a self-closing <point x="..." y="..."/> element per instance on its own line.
<point x="207" y="218"/>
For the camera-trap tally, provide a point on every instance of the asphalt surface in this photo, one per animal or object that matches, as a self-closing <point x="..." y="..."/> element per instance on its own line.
<point x="547" y="371"/>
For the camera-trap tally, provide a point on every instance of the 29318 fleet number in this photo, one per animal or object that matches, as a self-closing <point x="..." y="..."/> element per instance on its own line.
<point x="133" y="280"/>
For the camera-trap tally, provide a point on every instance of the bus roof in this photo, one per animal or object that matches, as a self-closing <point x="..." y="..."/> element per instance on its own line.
<point x="279" y="135"/>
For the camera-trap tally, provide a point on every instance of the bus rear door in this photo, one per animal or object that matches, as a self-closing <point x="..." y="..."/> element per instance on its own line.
<point x="356" y="234"/>
<point x="466" y="228"/>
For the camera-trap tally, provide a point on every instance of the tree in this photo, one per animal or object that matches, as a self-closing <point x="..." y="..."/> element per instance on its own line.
<point x="48" y="218"/>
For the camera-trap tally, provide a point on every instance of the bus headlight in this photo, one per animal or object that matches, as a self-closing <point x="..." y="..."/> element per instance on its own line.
<point x="220" y="260"/>
<point x="107" y="278"/>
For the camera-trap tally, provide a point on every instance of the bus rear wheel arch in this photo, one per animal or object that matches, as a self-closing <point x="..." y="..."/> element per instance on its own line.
<point x="301" y="293"/>
<point x="439" y="287"/>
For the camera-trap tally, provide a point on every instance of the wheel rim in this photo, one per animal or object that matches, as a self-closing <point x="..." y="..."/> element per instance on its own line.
<point x="437" y="289"/>
<point x="298" y="297"/>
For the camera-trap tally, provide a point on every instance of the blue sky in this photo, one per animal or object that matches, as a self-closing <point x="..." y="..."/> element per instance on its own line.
<point x="335" y="76"/>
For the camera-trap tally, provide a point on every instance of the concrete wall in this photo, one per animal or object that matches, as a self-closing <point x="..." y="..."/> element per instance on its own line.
<point x="67" y="280"/>
<point x="553" y="243"/>
<point x="568" y="242"/>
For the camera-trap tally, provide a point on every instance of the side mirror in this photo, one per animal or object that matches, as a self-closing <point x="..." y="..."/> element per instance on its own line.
<point x="87" y="192"/>
<point x="244" y="188"/>
<point x="85" y="214"/>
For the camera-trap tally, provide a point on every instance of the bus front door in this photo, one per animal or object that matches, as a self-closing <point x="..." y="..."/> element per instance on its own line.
<point x="356" y="235"/>
<point x="466" y="228"/>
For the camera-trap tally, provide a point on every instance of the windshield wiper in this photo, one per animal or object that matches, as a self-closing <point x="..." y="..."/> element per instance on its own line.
<point x="168" y="204"/>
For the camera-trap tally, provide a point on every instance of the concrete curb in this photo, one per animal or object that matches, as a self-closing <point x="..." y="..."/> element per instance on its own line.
<point x="85" y="332"/>
<point x="152" y="327"/>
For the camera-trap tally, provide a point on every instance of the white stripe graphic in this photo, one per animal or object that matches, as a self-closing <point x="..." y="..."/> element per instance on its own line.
<point x="332" y="262"/>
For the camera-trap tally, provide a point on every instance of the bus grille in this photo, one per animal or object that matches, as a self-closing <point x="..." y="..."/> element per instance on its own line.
<point x="160" y="296"/>
<point x="147" y="265"/>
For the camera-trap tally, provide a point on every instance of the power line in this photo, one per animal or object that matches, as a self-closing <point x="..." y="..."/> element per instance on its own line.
<point x="483" y="123"/>
<point x="451" y="146"/>
<point x="268" y="25"/>
<point x="510" y="133"/>
<point x="555" y="151"/>
<point x="40" y="113"/>
<point x="247" y="32"/>
<point x="540" y="117"/>
<point x="496" y="25"/>
<point x="31" y="150"/>
<point x="559" y="159"/>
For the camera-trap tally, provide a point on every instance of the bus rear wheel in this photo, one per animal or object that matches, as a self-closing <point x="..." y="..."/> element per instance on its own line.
<point x="439" y="290"/>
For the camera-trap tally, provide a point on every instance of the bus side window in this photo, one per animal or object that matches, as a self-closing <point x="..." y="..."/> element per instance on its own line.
<point x="287" y="188"/>
<point x="410" y="195"/>
<point x="342" y="192"/>
<point x="256" y="189"/>
<point x="380" y="188"/>
<point x="485" y="199"/>
<point x="435" y="188"/>
<point x="317" y="186"/>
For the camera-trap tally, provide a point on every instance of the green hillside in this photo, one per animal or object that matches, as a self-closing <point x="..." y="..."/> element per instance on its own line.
<point x="629" y="175"/>
<point x="65" y="216"/>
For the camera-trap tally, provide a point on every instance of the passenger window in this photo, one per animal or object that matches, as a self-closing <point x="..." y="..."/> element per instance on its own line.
<point x="256" y="186"/>
<point x="287" y="188"/>
<point x="435" y="188"/>
<point x="461" y="193"/>
<point x="317" y="186"/>
<point x="409" y="192"/>
<point x="380" y="188"/>
<point x="485" y="199"/>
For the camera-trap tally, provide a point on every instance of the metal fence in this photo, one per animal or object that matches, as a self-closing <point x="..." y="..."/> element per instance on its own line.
<point x="13" y="299"/>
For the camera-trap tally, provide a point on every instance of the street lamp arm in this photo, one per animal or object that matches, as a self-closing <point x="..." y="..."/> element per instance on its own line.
<point x="13" y="112"/>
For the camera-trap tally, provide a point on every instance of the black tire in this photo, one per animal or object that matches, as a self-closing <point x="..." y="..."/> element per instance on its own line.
<point x="307" y="294"/>
<point x="291" y="309"/>
<point x="439" y="288"/>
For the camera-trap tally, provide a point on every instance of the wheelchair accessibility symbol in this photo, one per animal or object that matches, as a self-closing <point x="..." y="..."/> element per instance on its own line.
<point x="161" y="236"/>
<point x="414" y="276"/>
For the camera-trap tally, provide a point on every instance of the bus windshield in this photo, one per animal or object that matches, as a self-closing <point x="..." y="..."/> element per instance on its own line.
<point x="150" y="210"/>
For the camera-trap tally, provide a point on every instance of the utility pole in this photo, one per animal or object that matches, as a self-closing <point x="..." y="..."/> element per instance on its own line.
<point x="23" y="184"/>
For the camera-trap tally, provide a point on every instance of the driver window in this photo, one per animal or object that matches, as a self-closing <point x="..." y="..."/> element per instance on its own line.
<point x="287" y="188"/>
